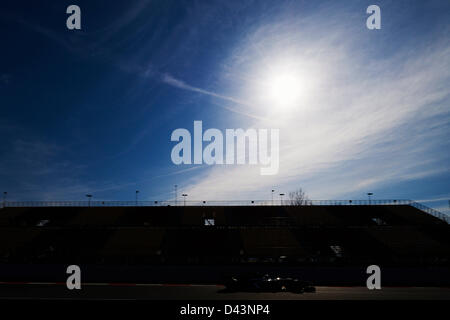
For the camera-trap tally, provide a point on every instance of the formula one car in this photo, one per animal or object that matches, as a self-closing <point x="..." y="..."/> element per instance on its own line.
<point x="268" y="283"/>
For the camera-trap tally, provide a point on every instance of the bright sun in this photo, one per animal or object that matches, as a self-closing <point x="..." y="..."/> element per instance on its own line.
<point x="284" y="90"/>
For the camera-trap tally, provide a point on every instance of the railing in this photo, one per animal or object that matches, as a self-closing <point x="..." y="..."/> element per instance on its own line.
<point x="431" y="211"/>
<point x="278" y="202"/>
<point x="96" y="203"/>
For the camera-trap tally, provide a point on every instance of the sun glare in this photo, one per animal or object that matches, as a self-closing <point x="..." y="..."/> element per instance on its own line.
<point x="284" y="90"/>
<point x="283" y="87"/>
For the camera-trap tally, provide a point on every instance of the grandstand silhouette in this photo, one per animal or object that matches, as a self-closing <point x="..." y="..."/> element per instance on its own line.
<point x="333" y="235"/>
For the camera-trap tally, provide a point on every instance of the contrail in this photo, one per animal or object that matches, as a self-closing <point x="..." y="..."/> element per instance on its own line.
<point x="166" y="78"/>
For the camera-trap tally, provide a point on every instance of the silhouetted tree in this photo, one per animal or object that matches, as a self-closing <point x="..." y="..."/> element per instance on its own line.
<point x="298" y="197"/>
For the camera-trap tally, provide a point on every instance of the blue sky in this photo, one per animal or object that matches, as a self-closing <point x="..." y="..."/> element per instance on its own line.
<point x="92" y="110"/>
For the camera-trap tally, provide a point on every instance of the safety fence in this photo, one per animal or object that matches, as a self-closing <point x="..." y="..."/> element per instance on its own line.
<point x="184" y="202"/>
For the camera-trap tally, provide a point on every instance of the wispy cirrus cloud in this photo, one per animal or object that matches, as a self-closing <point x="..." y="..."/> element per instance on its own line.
<point x="170" y="80"/>
<point x="369" y="122"/>
<point x="368" y="117"/>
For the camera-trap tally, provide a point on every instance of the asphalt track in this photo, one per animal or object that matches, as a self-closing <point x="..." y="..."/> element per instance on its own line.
<point x="108" y="291"/>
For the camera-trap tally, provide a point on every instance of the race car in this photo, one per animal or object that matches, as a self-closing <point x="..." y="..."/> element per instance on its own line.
<point x="268" y="283"/>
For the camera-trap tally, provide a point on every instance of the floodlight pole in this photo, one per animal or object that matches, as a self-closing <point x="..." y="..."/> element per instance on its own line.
<point x="281" y="198"/>
<point x="137" y="191"/>
<point x="89" y="196"/>
<point x="369" y="194"/>
<point x="4" y="198"/>
<point x="176" y="194"/>
<point x="184" y="196"/>
<point x="272" y="195"/>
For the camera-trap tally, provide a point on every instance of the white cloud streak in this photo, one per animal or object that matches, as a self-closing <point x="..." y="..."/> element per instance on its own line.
<point x="367" y="123"/>
<point x="170" y="80"/>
